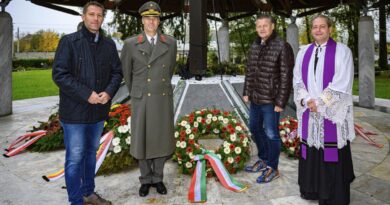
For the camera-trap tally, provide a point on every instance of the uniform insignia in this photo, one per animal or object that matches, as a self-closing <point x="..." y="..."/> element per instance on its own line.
<point x="140" y="38"/>
<point x="163" y="38"/>
<point x="149" y="8"/>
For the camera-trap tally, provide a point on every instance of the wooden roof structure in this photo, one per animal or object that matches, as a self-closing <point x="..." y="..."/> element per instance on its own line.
<point x="279" y="7"/>
<point x="200" y="10"/>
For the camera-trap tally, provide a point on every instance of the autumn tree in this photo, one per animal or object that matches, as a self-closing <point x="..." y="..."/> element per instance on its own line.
<point x="41" y="41"/>
<point x="48" y="41"/>
<point x="24" y="43"/>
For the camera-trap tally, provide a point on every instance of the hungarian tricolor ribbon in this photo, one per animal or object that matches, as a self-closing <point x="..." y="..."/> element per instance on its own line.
<point x="22" y="142"/>
<point x="103" y="149"/>
<point x="197" y="191"/>
<point x="101" y="153"/>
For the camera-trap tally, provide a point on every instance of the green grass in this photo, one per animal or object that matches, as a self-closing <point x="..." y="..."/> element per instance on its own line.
<point x="32" y="84"/>
<point x="382" y="85"/>
<point x="38" y="83"/>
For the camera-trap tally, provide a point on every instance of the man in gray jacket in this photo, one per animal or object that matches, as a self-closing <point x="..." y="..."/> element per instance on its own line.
<point x="148" y="60"/>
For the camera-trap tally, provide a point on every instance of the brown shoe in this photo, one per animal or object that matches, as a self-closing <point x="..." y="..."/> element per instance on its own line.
<point x="95" y="199"/>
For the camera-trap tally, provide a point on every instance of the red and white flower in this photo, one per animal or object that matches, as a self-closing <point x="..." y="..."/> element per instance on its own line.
<point x="288" y="134"/>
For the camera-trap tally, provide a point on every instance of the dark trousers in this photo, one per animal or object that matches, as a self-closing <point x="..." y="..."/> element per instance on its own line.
<point x="152" y="170"/>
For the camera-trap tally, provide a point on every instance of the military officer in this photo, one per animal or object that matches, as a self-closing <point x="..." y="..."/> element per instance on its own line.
<point x="148" y="60"/>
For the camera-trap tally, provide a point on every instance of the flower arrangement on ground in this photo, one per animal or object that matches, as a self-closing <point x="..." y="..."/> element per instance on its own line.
<point x="233" y="152"/>
<point x="118" y="157"/>
<point x="288" y="133"/>
<point x="49" y="136"/>
<point x="54" y="138"/>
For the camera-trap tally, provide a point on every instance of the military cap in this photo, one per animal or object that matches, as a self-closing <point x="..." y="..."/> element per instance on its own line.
<point x="150" y="8"/>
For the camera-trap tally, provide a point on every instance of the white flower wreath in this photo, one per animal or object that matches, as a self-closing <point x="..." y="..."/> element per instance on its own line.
<point x="233" y="152"/>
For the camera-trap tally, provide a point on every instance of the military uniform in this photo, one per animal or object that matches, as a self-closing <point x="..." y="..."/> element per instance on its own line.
<point x="148" y="77"/>
<point x="148" y="72"/>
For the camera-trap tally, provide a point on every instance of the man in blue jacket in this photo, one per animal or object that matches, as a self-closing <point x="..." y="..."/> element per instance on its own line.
<point x="88" y="72"/>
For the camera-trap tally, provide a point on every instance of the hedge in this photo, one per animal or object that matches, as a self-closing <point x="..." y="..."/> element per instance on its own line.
<point x="31" y="64"/>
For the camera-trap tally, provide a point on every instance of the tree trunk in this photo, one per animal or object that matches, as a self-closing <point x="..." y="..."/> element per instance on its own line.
<point x="353" y="31"/>
<point x="308" y="30"/>
<point x="382" y="38"/>
<point x="284" y="27"/>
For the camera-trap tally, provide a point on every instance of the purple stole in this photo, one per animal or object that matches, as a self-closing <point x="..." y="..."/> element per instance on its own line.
<point x="330" y="129"/>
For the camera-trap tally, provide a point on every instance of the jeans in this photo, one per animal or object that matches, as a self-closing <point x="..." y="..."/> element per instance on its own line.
<point x="264" y="126"/>
<point x="81" y="143"/>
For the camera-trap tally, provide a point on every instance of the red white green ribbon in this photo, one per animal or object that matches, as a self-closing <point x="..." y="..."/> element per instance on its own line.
<point x="105" y="142"/>
<point x="103" y="149"/>
<point x="22" y="142"/>
<point x="197" y="191"/>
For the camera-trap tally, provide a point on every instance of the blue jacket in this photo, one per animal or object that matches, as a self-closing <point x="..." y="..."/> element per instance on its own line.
<point x="82" y="66"/>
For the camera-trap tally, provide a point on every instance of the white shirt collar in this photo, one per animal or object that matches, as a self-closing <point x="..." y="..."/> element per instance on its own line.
<point x="150" y="37"/>
<point x="96" y="37"/>
<point x="322" y="46"/>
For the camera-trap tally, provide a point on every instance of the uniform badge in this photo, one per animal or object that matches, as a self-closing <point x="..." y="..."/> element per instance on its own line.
<point x="140" y="39"/>
<point x="163" y="38"/>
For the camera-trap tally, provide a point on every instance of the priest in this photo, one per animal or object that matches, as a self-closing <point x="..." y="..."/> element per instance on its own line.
<point x="323" y="77"/>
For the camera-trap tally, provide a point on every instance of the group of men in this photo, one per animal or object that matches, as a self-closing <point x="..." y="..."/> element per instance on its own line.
<point x="88" y="71"/>
<point x="322" y="81"/>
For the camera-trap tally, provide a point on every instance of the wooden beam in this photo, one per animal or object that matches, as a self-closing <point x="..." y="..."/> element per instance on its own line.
<point x="286" y="5"/>
<point x="55" y="7"/>
<point x="169" y="16"/>
<point x="3" y="4"/>
<point x="233" y="18"/>
<point x="381" y="2"/>
<point x="214" y="18"/>
<point x="317" y="10"/>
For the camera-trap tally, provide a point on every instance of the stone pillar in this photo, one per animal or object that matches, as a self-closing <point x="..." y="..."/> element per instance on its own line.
<point x="224" y="41"/>
<point x="5" y="63"/>
<point x="366" y="62"/>
<point x="293" y="36"/>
